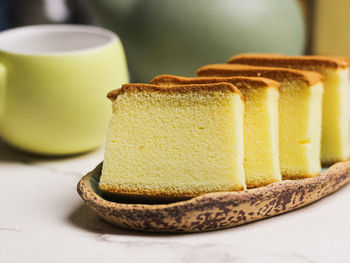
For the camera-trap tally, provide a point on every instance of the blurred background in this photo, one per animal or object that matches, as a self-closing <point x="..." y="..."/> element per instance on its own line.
<point x="177" y="37"/>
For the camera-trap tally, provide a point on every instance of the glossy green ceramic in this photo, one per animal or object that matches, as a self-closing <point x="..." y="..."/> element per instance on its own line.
<point x="179" y="36"/>
<point x="53" y="101"/>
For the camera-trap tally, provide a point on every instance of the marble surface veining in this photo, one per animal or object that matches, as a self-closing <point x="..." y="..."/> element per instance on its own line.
<point x="42" y="219"/>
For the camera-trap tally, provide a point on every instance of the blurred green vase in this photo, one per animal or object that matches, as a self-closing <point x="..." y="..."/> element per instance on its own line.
<point x="178" y="36"/>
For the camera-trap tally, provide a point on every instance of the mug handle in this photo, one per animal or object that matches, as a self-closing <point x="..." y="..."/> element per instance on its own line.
<point x="2" y="89"/>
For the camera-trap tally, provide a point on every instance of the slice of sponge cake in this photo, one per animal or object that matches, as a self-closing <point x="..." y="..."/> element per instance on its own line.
<point x="335" y="144"/>
<point x="299" y="114"/>
<point x="178" y="141"/>
<point x="261" y="153"/>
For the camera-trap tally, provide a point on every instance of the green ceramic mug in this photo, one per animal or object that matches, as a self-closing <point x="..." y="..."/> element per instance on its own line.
<point x="53" y="85"/>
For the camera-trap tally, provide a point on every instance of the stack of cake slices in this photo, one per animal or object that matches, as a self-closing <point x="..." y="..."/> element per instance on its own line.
<point x="258" y="119"/>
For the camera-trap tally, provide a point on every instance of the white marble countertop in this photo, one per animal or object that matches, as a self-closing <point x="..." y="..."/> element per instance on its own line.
<point x="42" y="219"/>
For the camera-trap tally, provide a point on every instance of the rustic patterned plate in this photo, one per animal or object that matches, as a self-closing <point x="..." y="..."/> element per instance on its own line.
<point x="215" y="210"/>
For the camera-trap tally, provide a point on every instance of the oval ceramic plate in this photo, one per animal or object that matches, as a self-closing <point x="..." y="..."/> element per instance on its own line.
<point x="214" y="210"/>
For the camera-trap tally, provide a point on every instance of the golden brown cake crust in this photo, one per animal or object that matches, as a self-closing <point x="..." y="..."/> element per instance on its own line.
<point x="296" y="176"/>
<point x="239" y="82"/>
<point x="335" y="62"/>
<point x="261" y="184"/>
<point x="139" y="87"/>
<point x="331" y="162"/>
<point x="279" y="74"/>
<point x="156" y="193"/>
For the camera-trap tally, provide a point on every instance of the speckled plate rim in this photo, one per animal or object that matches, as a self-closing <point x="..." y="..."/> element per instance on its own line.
<point x="214" y="210"/>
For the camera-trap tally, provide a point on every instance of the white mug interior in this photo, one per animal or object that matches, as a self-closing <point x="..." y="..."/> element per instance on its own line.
<point x="54" y="39"/>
